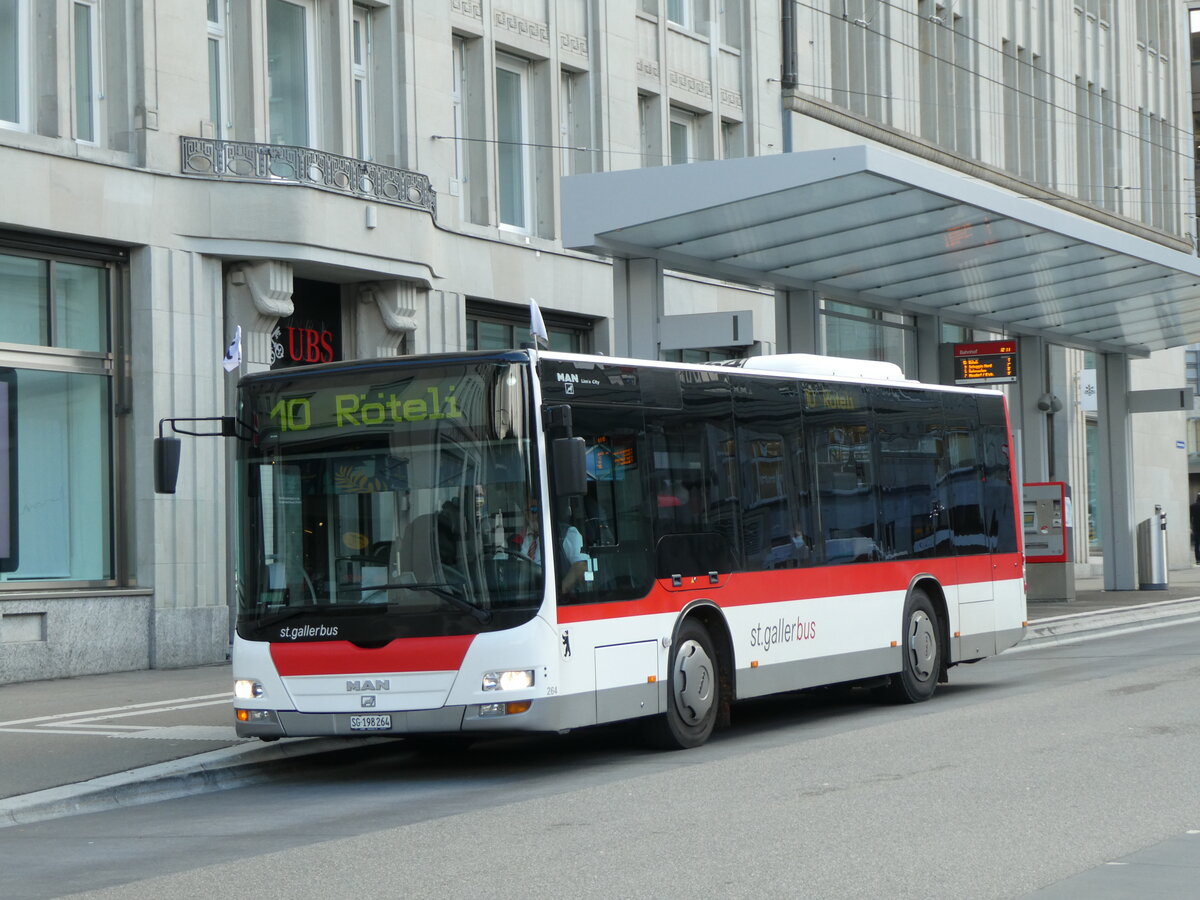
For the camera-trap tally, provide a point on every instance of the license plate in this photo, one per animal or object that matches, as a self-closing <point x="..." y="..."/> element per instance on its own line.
<point x="370" y="723"/>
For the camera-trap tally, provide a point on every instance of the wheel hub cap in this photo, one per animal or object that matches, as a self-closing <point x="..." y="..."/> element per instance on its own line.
<point x="922" y="645"/>
<point x="694" y="688"/>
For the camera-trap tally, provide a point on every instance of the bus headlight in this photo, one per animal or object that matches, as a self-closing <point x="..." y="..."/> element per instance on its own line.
<point x="248" y="689"/>
<point x="508" y="681"/>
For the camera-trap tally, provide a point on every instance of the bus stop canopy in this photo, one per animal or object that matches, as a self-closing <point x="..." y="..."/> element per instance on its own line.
<point x="894" y="232"/>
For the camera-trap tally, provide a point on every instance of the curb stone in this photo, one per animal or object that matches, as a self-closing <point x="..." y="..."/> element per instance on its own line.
<point x="1083" y="626"/>
<point x="215" y="770"/>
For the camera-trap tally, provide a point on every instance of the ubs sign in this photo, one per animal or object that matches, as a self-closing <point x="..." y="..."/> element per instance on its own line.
<point x="313" y="332"/>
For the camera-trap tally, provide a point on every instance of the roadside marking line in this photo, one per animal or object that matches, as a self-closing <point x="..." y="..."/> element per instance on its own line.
<point x="96" y="713"/>
<point x="44" y="732"/>
<point x="152" y="711"/>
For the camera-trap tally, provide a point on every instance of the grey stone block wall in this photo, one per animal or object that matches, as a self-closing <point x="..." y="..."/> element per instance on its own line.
<point x="197" y="636"/>
<point x="62" y="637"/>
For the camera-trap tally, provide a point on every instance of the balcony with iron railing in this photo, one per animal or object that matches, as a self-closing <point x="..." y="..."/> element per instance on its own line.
<point x="279" y="164"/>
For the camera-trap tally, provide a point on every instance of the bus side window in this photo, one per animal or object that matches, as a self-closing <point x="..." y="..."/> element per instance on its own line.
<point x="998" y="517"/>
<point x="964" y="441"/>
<point x="696" y="477"/>
<point x="838" y="422"/>
<point x="913" y="487"/>
<point x="776" y="531"/>
<point x="613" y="516"/>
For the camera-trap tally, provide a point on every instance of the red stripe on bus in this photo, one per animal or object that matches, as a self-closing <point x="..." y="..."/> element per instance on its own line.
<point x="749" y="588"/>
<point x="428" y="654"/>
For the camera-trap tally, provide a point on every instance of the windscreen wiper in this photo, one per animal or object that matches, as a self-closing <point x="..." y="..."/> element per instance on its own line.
<point x="442" y="589"/>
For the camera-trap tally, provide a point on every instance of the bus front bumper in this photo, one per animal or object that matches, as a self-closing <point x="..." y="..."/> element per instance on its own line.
<point x="540" y="715"/>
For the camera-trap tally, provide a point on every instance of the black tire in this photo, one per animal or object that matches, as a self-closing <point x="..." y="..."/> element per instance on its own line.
<point x="693" y="691"/>
<point x="921" y="649"/>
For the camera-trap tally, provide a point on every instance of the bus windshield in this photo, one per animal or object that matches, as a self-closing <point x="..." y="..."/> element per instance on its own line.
<point x="378" y="503"/>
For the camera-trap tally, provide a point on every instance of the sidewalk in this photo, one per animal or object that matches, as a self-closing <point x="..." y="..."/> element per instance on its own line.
<point x="1097" y="610"/>
<point x="105" y="741"/>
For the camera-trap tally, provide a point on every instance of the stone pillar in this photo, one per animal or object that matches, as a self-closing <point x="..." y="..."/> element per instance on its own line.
<point x="257" y="296"/>
<point x="386" y="320"/>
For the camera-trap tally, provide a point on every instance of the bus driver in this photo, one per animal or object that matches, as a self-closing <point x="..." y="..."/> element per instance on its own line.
<point x="528" y="542"/>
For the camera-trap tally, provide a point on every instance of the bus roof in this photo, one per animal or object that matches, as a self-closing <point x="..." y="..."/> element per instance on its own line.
<point x="798" y="365"/>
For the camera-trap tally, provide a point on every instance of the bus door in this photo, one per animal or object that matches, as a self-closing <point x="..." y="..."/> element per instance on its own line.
<point x="999" y="513"/>
<point x="970" y="482"/>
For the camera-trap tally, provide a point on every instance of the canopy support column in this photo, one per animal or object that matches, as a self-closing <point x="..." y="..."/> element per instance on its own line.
<point x="637" y="307"/>
<point x="1115" y="477"/>
<point x="1032" y="419"/>
<point x="797" y="322"/>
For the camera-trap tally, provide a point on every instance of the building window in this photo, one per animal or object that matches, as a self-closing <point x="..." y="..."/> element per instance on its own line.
<point x="61" y="403"/>
<point x="85" y="37"/>
<point x="733" y="139"/>
<point x="949" y="98"/>
<point x="1096" y="113"/>
<point x="512" y="142"/>
<point x="575" y="123"/>
<point x="458" y="81"/>
<point x="360" y="64"/>
<point x="218" y="69"/>
<point x="650" y="130"/>
<point x="494" y="326"/>
<point x="731" y="23"/>
<point x="689" y="14"/>
<point x="683" y="136"/>
<point x="289" y="67"/>
<point x="14" y="61"/>
<point x="1028" y="113"/>
<point x="701" y="355"/>
<point x="859" y="333"/>
<point x="1096" y="144"/>
<point x="860" y="52"/>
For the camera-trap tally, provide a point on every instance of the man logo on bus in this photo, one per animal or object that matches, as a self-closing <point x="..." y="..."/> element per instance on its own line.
<point x="379" y="684"/>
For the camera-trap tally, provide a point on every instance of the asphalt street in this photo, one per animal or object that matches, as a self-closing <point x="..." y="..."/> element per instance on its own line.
<point x="1064" y="767"/>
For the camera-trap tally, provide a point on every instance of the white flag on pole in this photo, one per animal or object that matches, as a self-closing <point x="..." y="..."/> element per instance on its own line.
<point x="537" y="326"/>
<point x="233" y="354"/>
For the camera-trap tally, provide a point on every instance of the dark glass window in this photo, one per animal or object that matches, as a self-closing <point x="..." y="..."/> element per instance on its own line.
<point x="963" y="441"/>
<point x="493" y="326"/>
<point x="839" y="427"/>
<point x="695" y="479"/>
<point x="613" y="516"/>
<point x="776" y="503"/>
<point x="913" y="514"/>
<point x="997" y="474"/>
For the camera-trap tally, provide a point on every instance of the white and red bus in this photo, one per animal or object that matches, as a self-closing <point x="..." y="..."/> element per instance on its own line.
<point x="713" y="533"/>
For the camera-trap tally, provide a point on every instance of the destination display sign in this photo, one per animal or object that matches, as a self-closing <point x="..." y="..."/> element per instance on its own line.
<point x="985" y="362"/>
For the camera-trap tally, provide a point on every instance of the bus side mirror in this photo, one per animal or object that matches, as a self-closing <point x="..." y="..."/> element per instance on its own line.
<point x="570" y="466"/>
<point x="166" y="464"/>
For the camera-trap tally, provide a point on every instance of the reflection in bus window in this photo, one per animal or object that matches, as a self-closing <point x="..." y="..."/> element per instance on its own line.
<point x="840" y="431"/>
<point x="613" y="516"/>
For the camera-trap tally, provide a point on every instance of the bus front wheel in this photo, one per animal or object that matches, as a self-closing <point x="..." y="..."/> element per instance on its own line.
<point x="921" y="661"/>
<point x="693" y="691"/>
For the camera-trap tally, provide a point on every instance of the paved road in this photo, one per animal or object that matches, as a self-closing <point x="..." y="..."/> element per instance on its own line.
<point x="1030" y="770"/>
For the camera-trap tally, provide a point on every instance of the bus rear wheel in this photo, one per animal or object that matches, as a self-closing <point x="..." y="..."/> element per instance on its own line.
<point x="921" y="662"/>
<point x="693" y="691"/>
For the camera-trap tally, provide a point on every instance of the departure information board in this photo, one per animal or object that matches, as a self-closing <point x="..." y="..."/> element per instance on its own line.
<point x="986" y="362"/>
